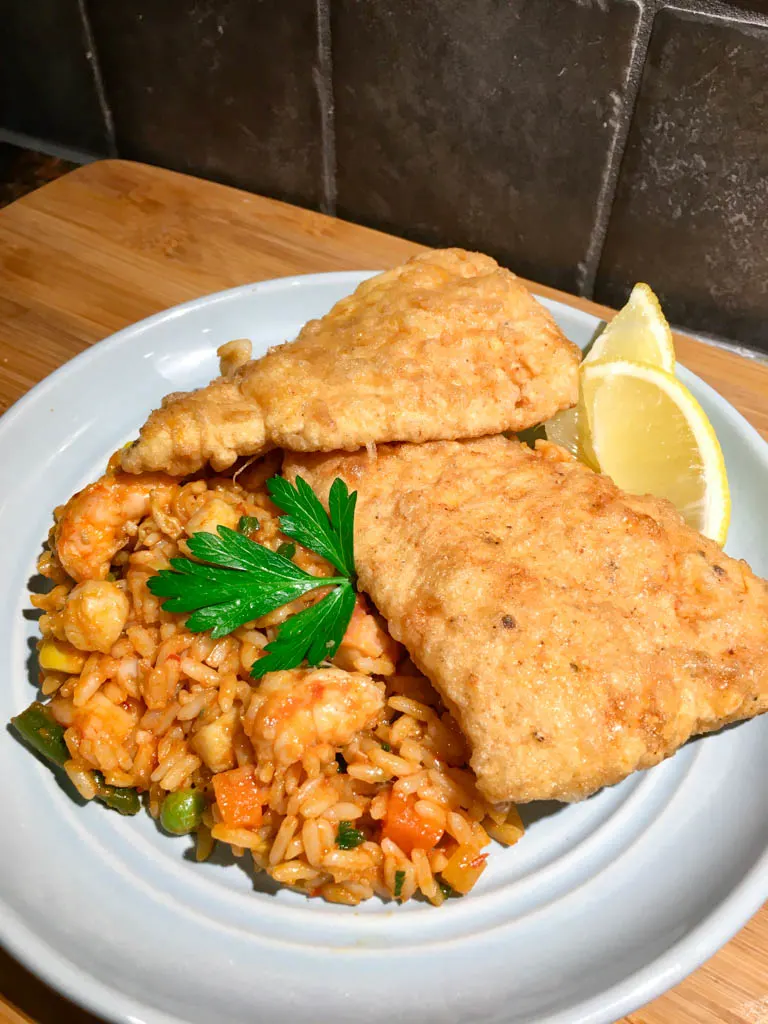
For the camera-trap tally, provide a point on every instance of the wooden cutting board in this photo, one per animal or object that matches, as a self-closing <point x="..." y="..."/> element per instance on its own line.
<point x="112" y="243"/>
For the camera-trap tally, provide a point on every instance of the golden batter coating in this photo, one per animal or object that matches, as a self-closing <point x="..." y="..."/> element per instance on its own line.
<point x="448" y="345"/>
<point x="579" y="633"/>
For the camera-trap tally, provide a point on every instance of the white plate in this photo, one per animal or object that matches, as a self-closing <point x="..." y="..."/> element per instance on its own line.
<point x="600" y="908"/>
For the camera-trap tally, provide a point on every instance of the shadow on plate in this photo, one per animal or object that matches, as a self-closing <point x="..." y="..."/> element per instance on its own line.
<point x="223" y="857"/>
<point x="531" y="813"/>
<point x="36" y="585"/>
<point x="62" y="781"/>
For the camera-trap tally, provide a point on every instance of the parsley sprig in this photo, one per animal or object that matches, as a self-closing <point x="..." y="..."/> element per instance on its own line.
<point x="329" y="533"/>
<point x="236" y="580"/>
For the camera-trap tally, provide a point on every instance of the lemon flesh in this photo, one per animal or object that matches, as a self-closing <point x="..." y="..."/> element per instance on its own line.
<point x="639" y="333"/>
<point x="651" y="436"/>
<point x="570" y="429"/>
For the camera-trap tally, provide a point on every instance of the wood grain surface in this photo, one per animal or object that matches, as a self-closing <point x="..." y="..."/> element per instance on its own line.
<point x="112" y="243"/>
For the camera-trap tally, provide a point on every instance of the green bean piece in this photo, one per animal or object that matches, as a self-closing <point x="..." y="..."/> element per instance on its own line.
<point x="40" y="730"/>
<point x="122" y="799"/>
<point x="182" y="811"/>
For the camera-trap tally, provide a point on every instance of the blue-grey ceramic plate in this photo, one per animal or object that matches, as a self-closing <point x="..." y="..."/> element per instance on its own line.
<point x="601" y="907"/>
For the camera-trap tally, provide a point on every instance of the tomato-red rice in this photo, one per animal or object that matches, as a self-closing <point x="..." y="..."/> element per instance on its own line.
<point x="137" y="714"/>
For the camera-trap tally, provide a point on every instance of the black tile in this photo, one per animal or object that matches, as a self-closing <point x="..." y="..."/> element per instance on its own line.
<point x="218" y="88"/>
<point x="23" y="170"/>
<point x="480" y="123"/>
<point x="691" y="210"/>
<point x="46" y="83"/>
<point x="750" y="6"/>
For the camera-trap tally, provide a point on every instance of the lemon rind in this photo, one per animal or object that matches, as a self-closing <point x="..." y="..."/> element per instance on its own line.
<point x="718" y="500"/>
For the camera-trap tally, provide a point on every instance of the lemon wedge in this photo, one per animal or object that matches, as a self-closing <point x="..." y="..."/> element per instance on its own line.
<point x="651" y="436"/>
<point x="570" y="429"/>
<point x="639" y="333"/>
<point x="636" y="422"/>
<point x="563" y="429"/>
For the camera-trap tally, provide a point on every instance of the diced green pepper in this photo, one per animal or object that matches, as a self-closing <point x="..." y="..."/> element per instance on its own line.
<point x="122" y="799"/>
<point x="40" y="730"/>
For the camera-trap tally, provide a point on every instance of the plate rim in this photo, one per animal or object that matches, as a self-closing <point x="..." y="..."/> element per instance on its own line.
<point x="656" y="977"/>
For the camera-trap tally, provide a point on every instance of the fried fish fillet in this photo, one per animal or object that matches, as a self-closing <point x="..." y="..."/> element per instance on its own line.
<point x="579" y="633"/>
<point x="448" y="345"/>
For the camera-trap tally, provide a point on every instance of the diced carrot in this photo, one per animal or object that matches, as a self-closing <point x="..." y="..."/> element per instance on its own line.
<point x="406" y="828"/>
<point x="239" y="797"/>
<point x="464" y="868"/>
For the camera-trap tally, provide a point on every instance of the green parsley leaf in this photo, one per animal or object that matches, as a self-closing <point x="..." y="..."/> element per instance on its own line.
<point x="314" y="634"/>
<point x="341" y="509"/>
<point x="248" y="524"/>
<point x="236" y="581"/>
<point x="386" y="746"/>
<point x="306" y="521"/>
<point x="399" y="879"/>
<point x="445" y="889"/>
<point x="348" y="837"/>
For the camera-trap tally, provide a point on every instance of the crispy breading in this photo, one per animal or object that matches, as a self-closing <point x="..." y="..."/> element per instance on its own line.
<point x="578" y="632"/>
<point x="195" y="427"/>
<point x="448" y="345"/>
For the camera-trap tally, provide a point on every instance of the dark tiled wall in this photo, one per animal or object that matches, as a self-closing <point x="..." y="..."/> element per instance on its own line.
<point x="222" y="89"/>
<point x="47" y="86"/>
<point x="483" y="122"/>
<point x="586" y="143"/>
<point x="691" y="207"/>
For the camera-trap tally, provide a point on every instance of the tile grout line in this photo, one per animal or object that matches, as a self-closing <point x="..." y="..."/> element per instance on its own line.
<point x="322" y="75"/>
<point x="588" y="267"/>
<point x="98" y="81"/>
<point x="23" y="141"/>
<point x="717" y="9"/>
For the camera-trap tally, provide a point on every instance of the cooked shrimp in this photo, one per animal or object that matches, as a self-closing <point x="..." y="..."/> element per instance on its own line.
<point x="95" y="615"/>
<point x="311" y="712"/>
<point x="367" y="646"/>
<point x="214" y="513"/>
<point x="99" y="520"/>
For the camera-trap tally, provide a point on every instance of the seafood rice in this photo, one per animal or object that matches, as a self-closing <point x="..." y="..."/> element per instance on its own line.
<point x="344" y="781"/>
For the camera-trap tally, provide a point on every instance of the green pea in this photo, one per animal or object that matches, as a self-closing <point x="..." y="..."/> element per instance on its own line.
<point x="182" y="811"/>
